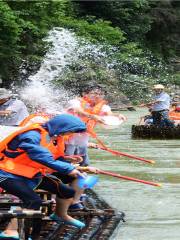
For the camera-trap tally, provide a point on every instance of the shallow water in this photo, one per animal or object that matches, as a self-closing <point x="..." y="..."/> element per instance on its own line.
<point x="152" y="213"/>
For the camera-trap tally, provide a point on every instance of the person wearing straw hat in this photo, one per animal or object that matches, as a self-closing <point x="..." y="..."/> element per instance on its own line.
<point x="160" y="107"/>
<point x="12" y="110"/>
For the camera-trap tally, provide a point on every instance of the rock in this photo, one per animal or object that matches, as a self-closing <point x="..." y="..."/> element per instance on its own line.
<point x="118" y="101"/>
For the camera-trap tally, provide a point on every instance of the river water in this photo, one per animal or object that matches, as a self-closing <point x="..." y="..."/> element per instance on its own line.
<point x="152" y="213"/>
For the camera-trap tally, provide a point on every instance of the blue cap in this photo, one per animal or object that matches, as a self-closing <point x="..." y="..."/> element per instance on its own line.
<point x="87" y="182"/>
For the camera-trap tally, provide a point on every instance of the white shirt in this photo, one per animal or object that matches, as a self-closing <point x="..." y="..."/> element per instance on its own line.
<point x="81" y="139"/>
<point x="19" y="112"/>
<point x="164" y="102"/>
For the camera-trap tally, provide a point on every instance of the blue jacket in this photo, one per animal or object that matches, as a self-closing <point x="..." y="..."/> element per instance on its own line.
<point x="30" y="143"/>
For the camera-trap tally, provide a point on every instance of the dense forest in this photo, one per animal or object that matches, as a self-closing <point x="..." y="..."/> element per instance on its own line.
<point x="145" y="35"/>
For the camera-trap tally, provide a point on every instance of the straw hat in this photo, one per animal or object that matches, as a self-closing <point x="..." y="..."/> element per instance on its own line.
<point x="158" y="86"/>
<point x="4" y="93"/>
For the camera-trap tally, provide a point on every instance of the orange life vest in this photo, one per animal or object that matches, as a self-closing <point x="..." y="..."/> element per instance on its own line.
<point x="95" y="110"/>
<point x="22" y="165"/>
<point x="86" y="106"/>
<point x="177" y="109"/>
<point x="174" y="115"/>
<point x="44" y="116"/>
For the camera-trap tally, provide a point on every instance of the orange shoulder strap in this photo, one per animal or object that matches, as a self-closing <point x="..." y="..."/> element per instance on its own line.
<point x="97" y="108"/>
<point x="9" y="138"/>
<point x="27" y="119"/>
<point x="31" y="116"/>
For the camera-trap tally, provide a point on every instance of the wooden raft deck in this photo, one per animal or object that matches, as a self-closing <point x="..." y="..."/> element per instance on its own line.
<point x="101" y="221"/>
<point x="155" y="132"/>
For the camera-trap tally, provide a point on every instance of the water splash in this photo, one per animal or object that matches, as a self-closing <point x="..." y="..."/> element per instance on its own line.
<point x="40" y="90"/>
<point x="73" y="61"/>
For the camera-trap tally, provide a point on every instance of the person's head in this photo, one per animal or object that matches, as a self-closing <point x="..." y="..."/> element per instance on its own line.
<point x="150" y="110"/>
<point x="5" y="95"/>
<point x="64" y="124"/>
<point x="95" y="93"/>
<point x="176" y="98"/>
<point x="158" y="88"/>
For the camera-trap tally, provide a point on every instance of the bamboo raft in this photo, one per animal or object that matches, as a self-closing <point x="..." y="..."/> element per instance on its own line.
<point x="155" y="132"/>
<point x="101" y="220"/>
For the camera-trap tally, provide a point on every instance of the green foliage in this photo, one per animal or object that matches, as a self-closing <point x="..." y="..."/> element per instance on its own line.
<point x="98" y="31"/>
<point x="23" y="25"/>
<point x="9" y="38"/>
<point x="175" y="79"/>
<point x="163" y="37"/>
<point x="153" y="23"/>
<point x="130" y="16"/>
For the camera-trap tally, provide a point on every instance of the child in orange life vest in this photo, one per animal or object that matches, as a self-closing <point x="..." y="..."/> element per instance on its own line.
<point x="65" y="179"/>
<point x="26" y="158"/>
<point x="90" y="108"/>
<point x="41" y="118"/>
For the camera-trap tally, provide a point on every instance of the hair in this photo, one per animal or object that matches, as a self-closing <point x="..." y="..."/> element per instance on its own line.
<point x="92" y="87"/>
<point x="80" y="131"/>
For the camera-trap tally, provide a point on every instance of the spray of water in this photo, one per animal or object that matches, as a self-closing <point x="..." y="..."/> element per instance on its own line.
<point x="39" y="90"/>
<point x="68" y="61"/>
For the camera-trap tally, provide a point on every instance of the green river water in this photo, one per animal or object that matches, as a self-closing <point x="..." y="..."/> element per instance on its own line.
<point x="152" y="213"/>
